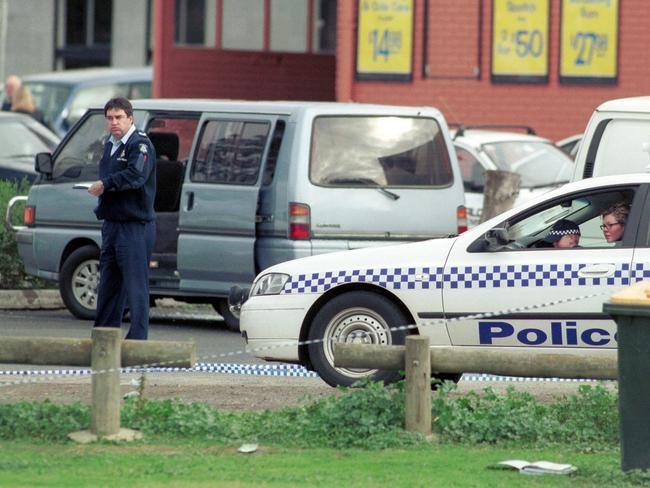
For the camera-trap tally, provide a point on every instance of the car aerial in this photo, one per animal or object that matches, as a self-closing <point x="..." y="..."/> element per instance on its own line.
<point x="64" y="96"/>
<point x="496" y="286"/>
<point x="21" y="138"/>
<point x="570" y="145"/>
<point x="537" y="160"/>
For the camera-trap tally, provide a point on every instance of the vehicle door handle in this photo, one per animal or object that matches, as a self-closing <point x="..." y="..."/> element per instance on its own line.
<point x="190" y="201"/>
<point x="597" y="271"/>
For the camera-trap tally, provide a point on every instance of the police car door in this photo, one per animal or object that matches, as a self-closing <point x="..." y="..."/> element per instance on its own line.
<point x="216" y="245"/>
<point x="530" y="296"/>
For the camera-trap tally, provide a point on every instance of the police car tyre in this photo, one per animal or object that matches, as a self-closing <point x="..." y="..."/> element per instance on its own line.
<point x="356" y="317"/>
<point x="78" y="282"/>
<point x="221" y="306"/>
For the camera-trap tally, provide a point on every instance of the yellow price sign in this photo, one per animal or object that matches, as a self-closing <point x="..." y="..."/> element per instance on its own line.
<point x="520" y="40"/>
<point x="589" y="40"/>
<point x="385" y="39"/>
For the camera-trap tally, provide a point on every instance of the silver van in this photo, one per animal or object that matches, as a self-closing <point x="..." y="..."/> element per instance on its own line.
<point x="245" y="185"/>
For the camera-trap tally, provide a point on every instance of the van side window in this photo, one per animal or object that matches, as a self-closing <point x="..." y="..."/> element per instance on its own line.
<point x="230" y="152"/>
<point x="378" y="151"/>
<point x="274" y="151"/>
<point x="79" y="158"/>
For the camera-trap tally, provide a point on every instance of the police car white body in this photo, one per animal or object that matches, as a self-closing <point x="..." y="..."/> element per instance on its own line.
<point x="531" y="296"/>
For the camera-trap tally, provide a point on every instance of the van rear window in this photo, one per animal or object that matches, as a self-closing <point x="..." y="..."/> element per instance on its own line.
<point x="378" y="151"/>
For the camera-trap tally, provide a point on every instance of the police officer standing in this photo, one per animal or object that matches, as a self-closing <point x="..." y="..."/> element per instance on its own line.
<point x="126" y="189"/>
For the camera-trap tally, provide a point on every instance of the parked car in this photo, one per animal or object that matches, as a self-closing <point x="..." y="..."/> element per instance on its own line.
<point x="540" y="164"/>
<point x="64" y="96"/>
<point x="496" y="286"/>
<point x="570" y="145"/>
<point x="245" y="185"/>
<point x="21" y="138"/>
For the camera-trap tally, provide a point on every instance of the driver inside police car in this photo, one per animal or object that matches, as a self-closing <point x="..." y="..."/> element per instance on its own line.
<point x="564" y="234"/>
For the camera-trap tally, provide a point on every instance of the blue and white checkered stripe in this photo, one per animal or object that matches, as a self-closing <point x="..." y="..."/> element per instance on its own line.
<point x="286" y="370"/>
<point x="393" y="278"/>
<point x="293" y="370"/>
<point x="466" y="277"/>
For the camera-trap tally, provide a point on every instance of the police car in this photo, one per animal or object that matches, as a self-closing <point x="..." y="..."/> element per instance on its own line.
<point x="498" y="285"/>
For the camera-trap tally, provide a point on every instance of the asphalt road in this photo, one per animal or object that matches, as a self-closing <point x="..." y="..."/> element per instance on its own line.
<point x="206" y="328"/>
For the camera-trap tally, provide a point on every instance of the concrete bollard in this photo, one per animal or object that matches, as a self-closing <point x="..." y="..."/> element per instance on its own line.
<point x="105" y="355"/>
<point x="418" y="385"/>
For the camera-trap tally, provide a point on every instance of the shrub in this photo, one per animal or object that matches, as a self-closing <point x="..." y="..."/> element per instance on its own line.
<point x="12" y="272"/>
<point x="586" y="419"/>
<point x="369" y="418"/>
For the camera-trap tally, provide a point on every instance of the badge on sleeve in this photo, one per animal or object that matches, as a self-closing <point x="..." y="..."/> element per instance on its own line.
<point x="143" y="148"/>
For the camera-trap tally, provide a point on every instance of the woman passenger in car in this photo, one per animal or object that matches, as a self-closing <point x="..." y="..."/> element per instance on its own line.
<point x="614" y="219"/>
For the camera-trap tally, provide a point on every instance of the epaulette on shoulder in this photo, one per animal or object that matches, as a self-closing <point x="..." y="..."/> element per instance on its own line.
<point x="140" y="133"/>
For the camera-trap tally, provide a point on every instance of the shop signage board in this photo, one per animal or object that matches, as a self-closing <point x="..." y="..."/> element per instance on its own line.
<point x="520" y="41"/>
<point x="385" y="40"/>
<point x="589" y="41"/>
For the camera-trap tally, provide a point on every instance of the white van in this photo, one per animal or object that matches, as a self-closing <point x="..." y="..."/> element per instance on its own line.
<point x="617" y="139"/>
<point x="246" y="185"/>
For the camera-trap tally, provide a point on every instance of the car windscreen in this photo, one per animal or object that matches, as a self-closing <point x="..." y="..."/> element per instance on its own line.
<point x="359" y="151"/>
<point x="539" y="163"/>
<point x="49" y="98"/>
<point x="18" y="139"/>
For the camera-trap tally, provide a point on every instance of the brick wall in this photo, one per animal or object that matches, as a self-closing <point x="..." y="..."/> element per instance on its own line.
<point x="553" y="109"/>
<point x="215" y="73"/>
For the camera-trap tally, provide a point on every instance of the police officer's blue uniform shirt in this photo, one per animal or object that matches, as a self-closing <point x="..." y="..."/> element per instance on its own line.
<point x="127" y="170"/>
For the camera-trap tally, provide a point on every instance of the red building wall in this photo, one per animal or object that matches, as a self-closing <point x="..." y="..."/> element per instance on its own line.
<point x="553" y="109"/>
<point x="215" y="73"/>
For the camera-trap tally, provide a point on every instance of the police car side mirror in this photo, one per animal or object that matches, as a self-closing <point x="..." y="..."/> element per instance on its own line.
<point x="43" y="163"/>
<point x="498" y="236"/>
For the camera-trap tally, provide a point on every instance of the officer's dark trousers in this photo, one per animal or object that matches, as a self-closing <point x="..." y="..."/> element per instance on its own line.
<point x="124" y="275"/>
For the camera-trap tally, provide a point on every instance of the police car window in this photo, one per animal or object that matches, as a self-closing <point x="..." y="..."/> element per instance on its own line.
<point x="532" y="231"/>
<point x="545" y="219"/>
<point x="230" y="152"/>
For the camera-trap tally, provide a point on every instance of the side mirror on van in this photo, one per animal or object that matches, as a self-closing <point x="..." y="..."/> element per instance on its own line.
<point x="43" y="163"/>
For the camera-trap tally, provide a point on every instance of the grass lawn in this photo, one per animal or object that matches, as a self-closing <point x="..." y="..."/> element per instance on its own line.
<point x="157" y="462"/>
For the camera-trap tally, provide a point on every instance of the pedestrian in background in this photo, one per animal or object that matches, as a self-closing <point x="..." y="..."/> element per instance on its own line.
<point x="126" y="189"/>
<point x="22" y="102"/>
<point x="11" y="85"/>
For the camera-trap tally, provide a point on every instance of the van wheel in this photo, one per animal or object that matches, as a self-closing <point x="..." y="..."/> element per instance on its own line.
<point x="357" y="317"/>
<point x="78" y="282"/>
<point x="221" y="306"/>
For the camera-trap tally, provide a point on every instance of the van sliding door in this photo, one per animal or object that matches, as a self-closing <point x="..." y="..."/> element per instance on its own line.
<point x="216" y="246"/>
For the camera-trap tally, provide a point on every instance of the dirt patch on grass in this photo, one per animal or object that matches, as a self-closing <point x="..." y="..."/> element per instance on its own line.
<point x="235" y="392"/>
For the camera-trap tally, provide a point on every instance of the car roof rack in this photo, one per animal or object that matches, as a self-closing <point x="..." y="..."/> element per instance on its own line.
<point x="462" y="128"/>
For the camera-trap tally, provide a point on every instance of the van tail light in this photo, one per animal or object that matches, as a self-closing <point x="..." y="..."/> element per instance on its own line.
<point x="29" y="215"/>
<point x="461" y="219"/>
<point x="299" y="221"/>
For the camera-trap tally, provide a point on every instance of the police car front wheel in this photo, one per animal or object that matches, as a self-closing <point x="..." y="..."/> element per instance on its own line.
<point x="355" y="317"/>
